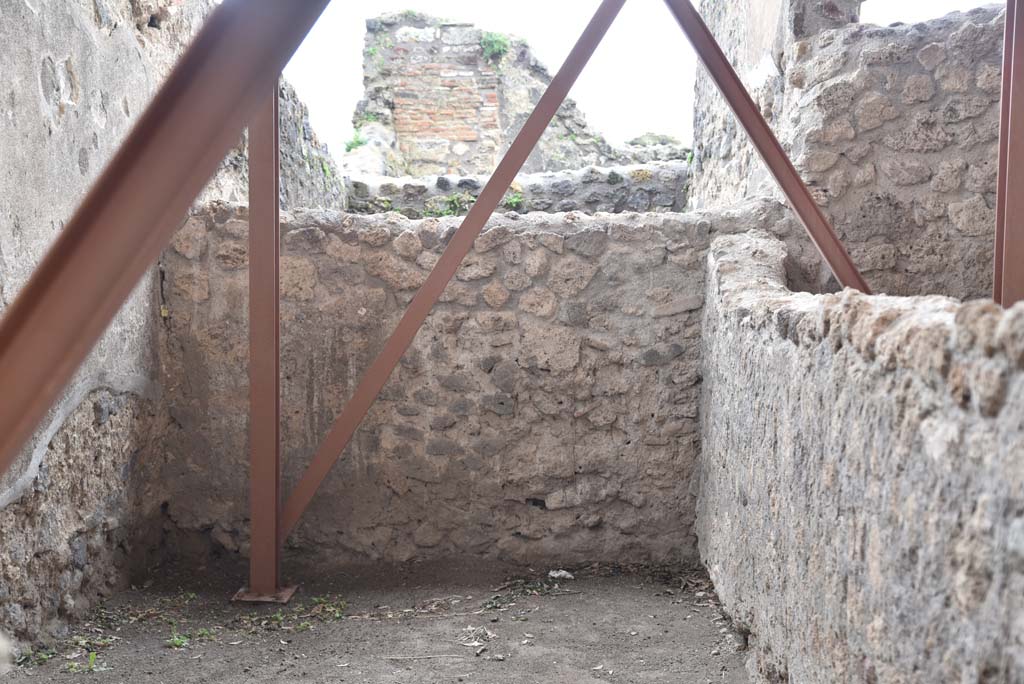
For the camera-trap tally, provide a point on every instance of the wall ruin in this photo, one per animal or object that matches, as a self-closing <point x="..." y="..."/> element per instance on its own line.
<point x="547" y="409"/>
<point x="757" y="36"/>
<point x="660" y="186"/>
<point x="861" y="504"/>
<point x="309" y="175"/>
<point x="847" y="467"/>
<point x="437" y="102"/>
<point x="894" y="129"/>
<point x="69" y="540"/>
<point x="77" y="76"/>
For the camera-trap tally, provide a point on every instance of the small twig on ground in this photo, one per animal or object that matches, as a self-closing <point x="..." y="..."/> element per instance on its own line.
<point x="423" y="657"/>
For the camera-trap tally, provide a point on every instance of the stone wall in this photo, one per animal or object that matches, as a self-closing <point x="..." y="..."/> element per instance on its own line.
<point x="76" y="76"/>
<point x="653" y="187"/>
<point x="309" y="174"/>
<point x="69" y="539"/>
<point x="437" y="102"/>
<point x="757" y="37"/>
<point x="896" y="130"/>
<point x="547" y="410"/>
<point x="861" y="504"/>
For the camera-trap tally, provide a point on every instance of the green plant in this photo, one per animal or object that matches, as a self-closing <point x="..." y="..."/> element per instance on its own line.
<point x="91" y="665"/>
<point x="177" y="639"/>
<point x="371" y="51"/>
<point x="328" y="608"/>
<point x="455" y="204"/>
<point x="514" y="200"/>
<point x="689" y="157"/>
<point x="381" y="204"/>
<point x="357" y="141"/>
<point x="368" y="117"/>
<point x="495" y="45"/>
<point x="32" y="657"/>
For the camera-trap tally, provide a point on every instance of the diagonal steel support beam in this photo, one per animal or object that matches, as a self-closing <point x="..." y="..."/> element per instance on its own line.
<point x="380" y="370"/>
<point x="1009" y="248"/>
<point x="767" y="145"/>
<point x="140" y="199"/>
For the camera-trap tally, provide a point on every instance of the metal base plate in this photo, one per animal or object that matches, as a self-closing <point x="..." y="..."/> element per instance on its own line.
<point x="283" y="595"/>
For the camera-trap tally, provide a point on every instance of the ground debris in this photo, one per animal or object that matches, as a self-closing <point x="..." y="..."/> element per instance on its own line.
<point x="476" y="637"/>
<point x="506" y="595"/>
<point x="485" y="630"/>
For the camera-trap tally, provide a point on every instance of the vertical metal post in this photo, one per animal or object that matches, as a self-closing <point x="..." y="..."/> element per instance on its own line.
<point x="767" y="145"/>
<point x="1010" y="233"/>
<point x="264" y="357"/>
<point x="1004" y="130"/>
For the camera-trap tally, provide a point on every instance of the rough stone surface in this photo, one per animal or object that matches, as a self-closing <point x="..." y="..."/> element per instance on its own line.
<point x="900" y="147"/>
<point x="309" y="175"/>
<point x="660" y="186"/>
<point x="894" y="129"/>
<point x="547" y="409"/>
<point x="758" y="37"/>
<point x="67" y="541"/>
<point x="76" y="76"/>
<point x="861" y="480"/>
<point x="435" y="103"/>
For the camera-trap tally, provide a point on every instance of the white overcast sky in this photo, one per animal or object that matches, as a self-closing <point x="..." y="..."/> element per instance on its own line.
<point x="640" y="79"/>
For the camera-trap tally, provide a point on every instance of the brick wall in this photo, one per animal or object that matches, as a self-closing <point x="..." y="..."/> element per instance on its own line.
<point x="446" y="111"/>
<point x="441" y="105"/>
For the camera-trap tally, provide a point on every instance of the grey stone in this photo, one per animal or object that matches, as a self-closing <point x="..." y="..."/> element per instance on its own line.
<point x="895" y="398"/>
<point x="441" y="446"/>
<point x="499" y="404"/>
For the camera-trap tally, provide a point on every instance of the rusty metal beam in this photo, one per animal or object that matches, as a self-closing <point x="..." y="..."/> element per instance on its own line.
<point x="265" y="356"/>
<point x="1004" y="130"/>
<point x="140" y="199"/>
<point x="767" y="145"/>
<point x="1012" y="242"/>
<point x="380" y="370"/>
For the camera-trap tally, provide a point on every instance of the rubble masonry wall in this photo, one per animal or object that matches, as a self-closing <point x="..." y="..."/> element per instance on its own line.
<point x="861" y="506"/>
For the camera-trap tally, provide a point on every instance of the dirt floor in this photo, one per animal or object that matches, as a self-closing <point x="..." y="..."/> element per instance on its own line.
<point x="461" y="622"/>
